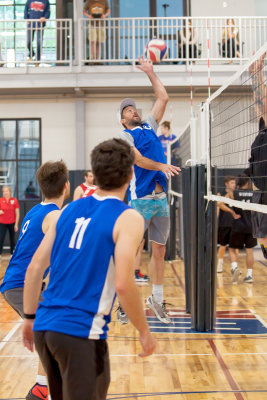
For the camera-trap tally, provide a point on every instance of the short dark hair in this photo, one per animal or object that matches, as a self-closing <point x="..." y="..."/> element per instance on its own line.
<point x="87" y="172"/>
<point x="243" y="180"/>
<point x="112" y="162"/>
<point x="167" y="124"/>
<point x="52" y="177"/>
<point x="228" y="178"/>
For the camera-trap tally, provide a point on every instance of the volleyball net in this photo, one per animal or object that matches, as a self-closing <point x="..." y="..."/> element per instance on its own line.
<point x="237" y="145"/>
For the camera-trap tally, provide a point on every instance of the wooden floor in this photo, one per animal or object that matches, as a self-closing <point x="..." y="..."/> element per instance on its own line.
<point x="186" y="366"/>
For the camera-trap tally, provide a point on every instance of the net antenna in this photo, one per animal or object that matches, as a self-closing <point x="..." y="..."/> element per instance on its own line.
<point x="236" y="111"/>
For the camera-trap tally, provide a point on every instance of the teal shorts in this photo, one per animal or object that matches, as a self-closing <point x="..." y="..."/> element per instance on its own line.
<point x="157" y="217"/>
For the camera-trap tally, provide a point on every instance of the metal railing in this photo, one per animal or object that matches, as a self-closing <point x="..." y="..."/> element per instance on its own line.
<point x="28" y="42"/>
<point x="122" y="40"/>
<point x="188" y="39"/>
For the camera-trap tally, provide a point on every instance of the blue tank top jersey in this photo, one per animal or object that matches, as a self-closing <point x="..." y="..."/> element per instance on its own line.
<point x="81" y="291"/>
<point x="147" y="142"/>
<point x="30" y="237"/>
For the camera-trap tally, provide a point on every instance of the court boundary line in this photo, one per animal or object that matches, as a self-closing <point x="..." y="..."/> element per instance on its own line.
<point x="6" y="340"/>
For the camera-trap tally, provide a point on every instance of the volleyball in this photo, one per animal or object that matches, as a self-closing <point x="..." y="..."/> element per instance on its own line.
<point x="156" y="50"/>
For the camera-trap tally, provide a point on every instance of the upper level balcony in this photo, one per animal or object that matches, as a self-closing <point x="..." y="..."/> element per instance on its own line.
<point x="68" y="59"/>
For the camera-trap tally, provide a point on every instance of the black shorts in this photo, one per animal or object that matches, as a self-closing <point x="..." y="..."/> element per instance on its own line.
<point x="239" y="239"/>
<point x="76" y="368"/>
<point x="259" y="220"/>
<point x="224" y="235"/>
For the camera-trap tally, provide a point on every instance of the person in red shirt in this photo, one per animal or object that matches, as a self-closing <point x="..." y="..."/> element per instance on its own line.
<point x="9" y="217"/>
<point x="87" y="188"/>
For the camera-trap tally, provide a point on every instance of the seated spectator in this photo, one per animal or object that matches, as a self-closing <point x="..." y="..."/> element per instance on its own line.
<point x="187" y="34"/>
<point x="230" y="40"/>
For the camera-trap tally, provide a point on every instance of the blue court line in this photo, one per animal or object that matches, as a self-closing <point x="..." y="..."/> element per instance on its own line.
<point x="139" y="395"/>
<point x="263" y="263"/>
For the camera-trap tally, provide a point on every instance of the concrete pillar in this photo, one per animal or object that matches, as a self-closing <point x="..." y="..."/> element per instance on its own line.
<point x="80" y="135"/>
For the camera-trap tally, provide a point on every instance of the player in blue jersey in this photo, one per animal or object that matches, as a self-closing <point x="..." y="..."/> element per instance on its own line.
<point x="52" y="178"/>
<point x="147" y="191"/>
<point x="91" y="250"/>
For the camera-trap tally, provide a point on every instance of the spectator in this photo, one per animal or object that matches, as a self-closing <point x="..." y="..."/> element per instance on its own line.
<point x="167" y="136"/>
<point x="86" y="188"/>
<point x="96" y="10"/>
<point x="9" y="218"/>
<point x="187" y="35"/>
<point x="230" y="40"/>
<point x="30" y="191"/>
<point x="36" y="10"/>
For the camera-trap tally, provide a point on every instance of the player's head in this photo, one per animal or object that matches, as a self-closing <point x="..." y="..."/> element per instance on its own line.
<point x="243" y="181"/>
<point x="7" y="191"/>
<point x="53" y="179"/>
<point x="230" y="182"/>
<point x="129" y="115"/>
<point x="112" y="164"/>
<point x="89" y="177"/>
<point x="165" y="128"/>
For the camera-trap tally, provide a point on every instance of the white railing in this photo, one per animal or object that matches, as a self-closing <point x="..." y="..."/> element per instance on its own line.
<point x="126" y="38"/>
<point x="19" y="43"/>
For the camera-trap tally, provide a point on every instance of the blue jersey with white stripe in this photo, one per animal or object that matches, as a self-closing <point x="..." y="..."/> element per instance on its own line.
<point x="30" y="237"/>
<point x="148" y="144"/>
<point x="81" y="291"/>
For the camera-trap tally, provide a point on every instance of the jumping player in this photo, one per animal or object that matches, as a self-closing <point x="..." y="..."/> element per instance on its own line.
<point x="86" y="188"/>
<point x="52" y="178"/>
<point x="71" y="323"/>
<point x="147" y="192"/>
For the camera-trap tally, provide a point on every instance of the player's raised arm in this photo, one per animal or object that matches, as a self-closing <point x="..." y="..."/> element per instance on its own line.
<point x="161" y="94"/>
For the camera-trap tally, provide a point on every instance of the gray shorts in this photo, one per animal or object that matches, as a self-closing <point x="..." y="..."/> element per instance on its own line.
<point x="155" y="212"/>
<point x="14" y="297"/>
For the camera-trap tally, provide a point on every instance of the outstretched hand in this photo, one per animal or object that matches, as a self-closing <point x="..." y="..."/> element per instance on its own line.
<point x="170" y="170"/>
<point x="145" y="65"/>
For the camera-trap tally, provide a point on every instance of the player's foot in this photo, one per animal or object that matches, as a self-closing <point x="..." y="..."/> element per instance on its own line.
<point x="140" y="278"/>
<point x="159" y="309"/>
<point x="235" y="275"/>
<point x="264" y="251"/>
<point x="38" y="392"/>
<point x="248" y="279"/>
<point x="121" y="316"/>
<point x="219" y="268"/>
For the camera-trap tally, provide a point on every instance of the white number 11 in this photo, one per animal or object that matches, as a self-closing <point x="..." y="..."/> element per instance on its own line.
<point x="78" y="233"/>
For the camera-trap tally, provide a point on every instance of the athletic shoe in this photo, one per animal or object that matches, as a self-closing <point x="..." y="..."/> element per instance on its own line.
<point x="264" y="251"/>
<point x="140" y="278"/>
<point x="38" y="392"/>
<point x="235" y="274"/>
<point x="159" y="309"/>
<point x="248" y="279"/>
<point x="121" y="316"/>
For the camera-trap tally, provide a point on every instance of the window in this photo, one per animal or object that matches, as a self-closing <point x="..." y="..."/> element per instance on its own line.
<point x="169" y="8"/>
<point x="20" y="155"/>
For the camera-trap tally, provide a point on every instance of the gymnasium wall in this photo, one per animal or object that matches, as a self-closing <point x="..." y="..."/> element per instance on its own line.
<point x="223" y="8"/>
<point x="101" y="121"/>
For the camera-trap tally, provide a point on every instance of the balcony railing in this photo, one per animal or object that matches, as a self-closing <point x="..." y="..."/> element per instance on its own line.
<point x="124" y="39"/>
<point x="19" y="43"/>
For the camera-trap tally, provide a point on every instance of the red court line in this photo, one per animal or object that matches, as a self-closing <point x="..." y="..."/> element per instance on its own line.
<point x="226" y="371"/>
<point x="181" y="283"/>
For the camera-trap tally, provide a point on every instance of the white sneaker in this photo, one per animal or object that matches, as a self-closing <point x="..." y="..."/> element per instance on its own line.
<point x="159" y="309"/>
<point x="235" y="274"/>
